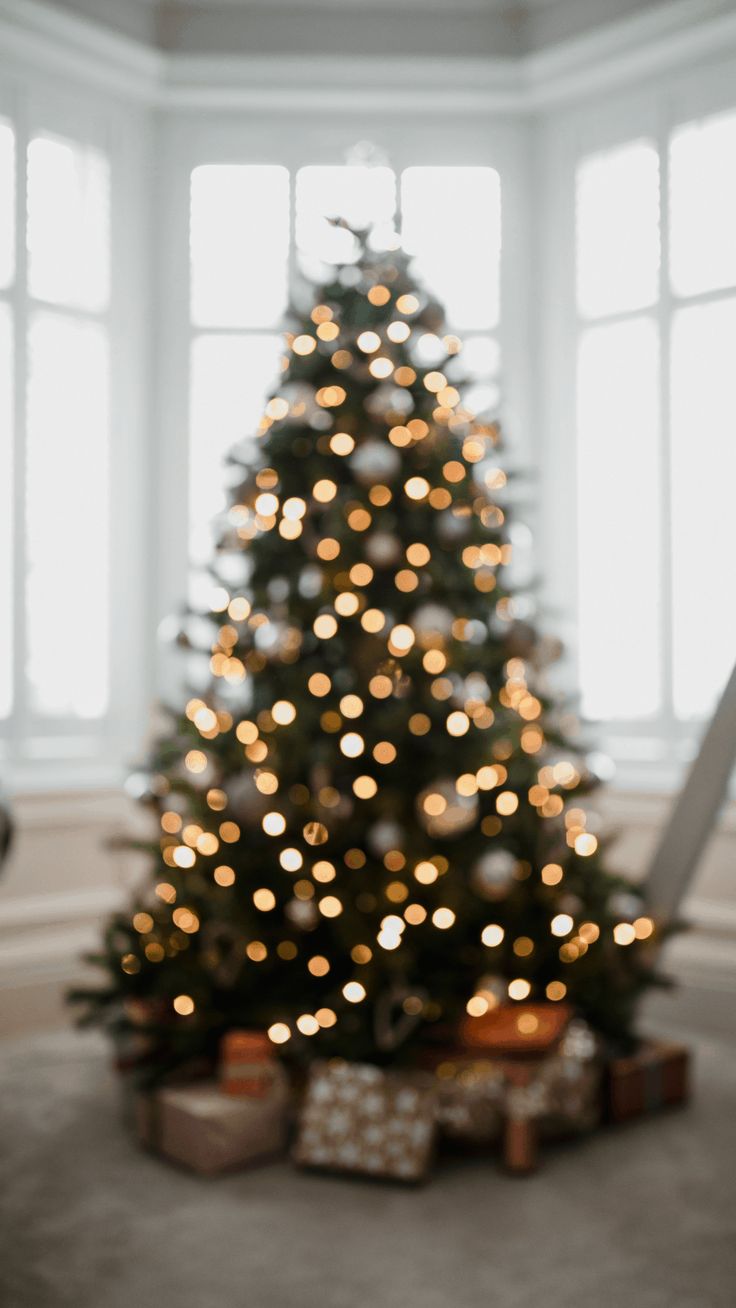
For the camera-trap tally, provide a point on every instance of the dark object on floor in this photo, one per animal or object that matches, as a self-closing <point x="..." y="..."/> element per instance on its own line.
<point x="7" y="827"/>
<point x="656" y="1076"/>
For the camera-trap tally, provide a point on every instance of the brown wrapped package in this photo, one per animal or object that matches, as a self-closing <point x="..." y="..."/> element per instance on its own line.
<point x="209" y="1132"/>
<point x="655" y="1076"/>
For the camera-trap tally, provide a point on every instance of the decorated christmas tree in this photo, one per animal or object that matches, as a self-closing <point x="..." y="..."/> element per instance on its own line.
<point x="370" y="817"/>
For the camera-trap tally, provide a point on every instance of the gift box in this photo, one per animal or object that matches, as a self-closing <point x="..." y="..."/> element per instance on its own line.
<point x="209" y="1132"/>
<point x="656" y="1075"/>
<point x="517" y="1100"/>
<point x="517" y="1029"/>
<point x="248" y="1064"/>
<point x="358" y="1118"/>
<point x="470" y="1095"/>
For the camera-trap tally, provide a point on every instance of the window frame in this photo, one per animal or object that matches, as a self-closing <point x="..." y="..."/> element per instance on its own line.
<point x="648" y="754"/>
<point x="40" y="752"/>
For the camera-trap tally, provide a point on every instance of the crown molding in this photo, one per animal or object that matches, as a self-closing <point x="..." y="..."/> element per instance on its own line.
<point x="665" y="38"/>
<point x="365" y="83"/>
<point x="38" y="36"/>
<point x="35" y="35"/>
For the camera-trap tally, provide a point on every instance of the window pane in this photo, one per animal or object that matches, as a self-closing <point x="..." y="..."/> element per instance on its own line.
<point x="618" y="230"/>
<point x="7" y="204"/>
<point x="6" y="511"/>
<point x="477" y="369"/>
<point x="239" y="244"/>
<point x="67" y="517"/>
<point x="451" y="221"/>
<point x="68" y="223"/>
<point x="360" y="194"/>
<point x="703" y="521"/>
<point x="703" y="205"/>
<point x="231" y="377"/>
<point x="619" y="520"/>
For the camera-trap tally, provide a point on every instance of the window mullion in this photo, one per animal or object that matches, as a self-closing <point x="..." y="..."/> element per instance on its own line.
<point x="20" y="714"/>
<point x="664" y="319"/>
<point x="292" y="271"/>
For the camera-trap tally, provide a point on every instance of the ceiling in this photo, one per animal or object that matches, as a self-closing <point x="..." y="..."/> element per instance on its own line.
<point x="502" y="28"/>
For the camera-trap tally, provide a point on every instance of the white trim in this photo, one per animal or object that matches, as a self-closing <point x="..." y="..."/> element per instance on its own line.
<point x="70" y="810"/>
<point x="38" y="34"/>
<point x="717" y="916"/>
<point x="702" y="959"/>
<point x="642" y="44"/>
<point x="398" y="6"/>
<point x="21" y="777"/>
<point x="632" y="49"/>
<point x="289" y="83"/>
<point x="36" y="911"/>
<point x="52" y="955"/>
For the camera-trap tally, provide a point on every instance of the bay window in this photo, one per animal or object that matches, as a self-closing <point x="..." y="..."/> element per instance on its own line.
<point x="656" y="419"/>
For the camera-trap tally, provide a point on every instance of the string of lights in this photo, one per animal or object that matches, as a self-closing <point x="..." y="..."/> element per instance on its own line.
<point x="373" y="796"/>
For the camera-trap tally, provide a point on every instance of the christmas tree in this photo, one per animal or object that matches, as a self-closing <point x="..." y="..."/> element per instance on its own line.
<point x="370" y="819"/>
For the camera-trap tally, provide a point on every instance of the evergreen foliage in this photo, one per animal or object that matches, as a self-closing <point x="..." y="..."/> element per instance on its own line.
<point x="371" y="817"/>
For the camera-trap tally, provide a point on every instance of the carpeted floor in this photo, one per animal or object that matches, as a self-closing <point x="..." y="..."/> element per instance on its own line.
<point x="641" y="1216"/>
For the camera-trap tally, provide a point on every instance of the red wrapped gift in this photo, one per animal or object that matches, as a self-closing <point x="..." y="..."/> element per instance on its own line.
<point x="247" y="1063"/>
<point x="517" y="1029"/>
<point x="654" y="1076"/>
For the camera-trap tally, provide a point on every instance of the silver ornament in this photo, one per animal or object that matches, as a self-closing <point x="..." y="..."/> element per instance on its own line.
<point x="493" y="873"/>
<point x="278" y="590"/>
<point x="382" y="549"/>
<point x="374" y="462"/>
<point x="302" y="913"/>
<point x="310" y="582"/>
<point x="383" y="836"/>
<point x="432" y="620"/>
<point x="452" y="527"/>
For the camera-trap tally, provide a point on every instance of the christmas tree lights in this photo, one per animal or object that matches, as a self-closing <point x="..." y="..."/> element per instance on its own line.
<point x="373" y="805"/>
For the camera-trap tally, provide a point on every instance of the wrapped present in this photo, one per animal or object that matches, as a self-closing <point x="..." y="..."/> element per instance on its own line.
<point x="657" y="1074"/>
<point x="525" y="1102"/>
<point x="517" y="1029"/>
<point x="483" y="1100"/>
<point x="248" y="1064"/>
<point x="470" y="1101"/>
<point x="358" y="1118"/>
<point x="203" y="1129"/>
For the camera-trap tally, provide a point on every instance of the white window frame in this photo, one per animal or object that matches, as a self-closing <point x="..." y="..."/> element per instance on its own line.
<point x="648" y="754"/>
<point x="43" y="753"/>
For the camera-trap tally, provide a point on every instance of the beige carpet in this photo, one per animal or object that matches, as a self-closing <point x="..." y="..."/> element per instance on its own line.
<point x="640" y="1217"/>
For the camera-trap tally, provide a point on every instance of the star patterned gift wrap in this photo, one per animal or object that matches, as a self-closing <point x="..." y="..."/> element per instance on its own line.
<point x="358" y="1118"/>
